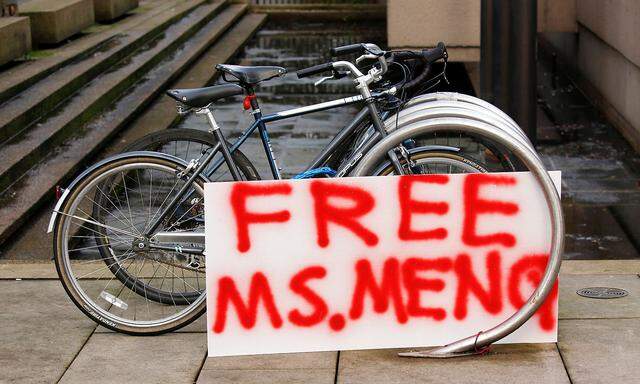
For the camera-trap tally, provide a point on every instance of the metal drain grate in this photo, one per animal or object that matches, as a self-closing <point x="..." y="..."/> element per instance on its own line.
<point x="602" y="293"/>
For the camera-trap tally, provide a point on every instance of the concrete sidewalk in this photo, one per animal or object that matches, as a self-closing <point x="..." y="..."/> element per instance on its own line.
<point x="45" y="338"/>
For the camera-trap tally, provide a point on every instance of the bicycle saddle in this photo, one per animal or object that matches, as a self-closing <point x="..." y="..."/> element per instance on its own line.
<point x="201" y="97"/>
<point x="251" y="75"/>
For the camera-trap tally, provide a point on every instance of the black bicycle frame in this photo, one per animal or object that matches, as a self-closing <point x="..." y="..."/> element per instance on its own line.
<point x="338" y="140"/>
<point x="261" y="122"/>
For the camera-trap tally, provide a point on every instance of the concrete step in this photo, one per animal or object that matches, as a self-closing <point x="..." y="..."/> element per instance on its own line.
<point x="19" y="113"/>
<point x="20" y="77"/>
<point x="324" y="12"/>
<point x="36" y="188"/>
<point x="23" y="151"/>
<point x="162" y="113"/>
<point x="53" y="21"/>
<point x="15" y="34"/>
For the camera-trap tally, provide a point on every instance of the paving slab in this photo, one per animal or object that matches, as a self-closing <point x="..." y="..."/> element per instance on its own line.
<point x="315" y="367"/>
<point x="601" y="351"/>
<point x="118" y="358"/>
<point x="517" y="363"/>
<point x="41" y="332"/>
<point x="573" y="306"/>
<point x="13" y="270"/>
<point x="599" y="267"/>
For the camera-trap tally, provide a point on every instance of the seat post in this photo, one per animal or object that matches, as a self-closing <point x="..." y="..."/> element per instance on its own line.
<point x="252" y="100"/>
<point x="222" y="142"/>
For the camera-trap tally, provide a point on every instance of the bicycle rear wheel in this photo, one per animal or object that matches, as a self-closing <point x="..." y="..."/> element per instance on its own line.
<point x="117" y="283"/>
<point x="185" y="144"/>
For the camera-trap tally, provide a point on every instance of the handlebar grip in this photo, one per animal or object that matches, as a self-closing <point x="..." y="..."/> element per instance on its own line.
<point x="314" y="70"/>
<point x="406" y="55"/>
<point x="435" y="54"/>
<point x="347" y="49"/>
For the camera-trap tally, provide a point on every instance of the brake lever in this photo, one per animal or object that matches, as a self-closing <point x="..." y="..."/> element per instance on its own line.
<point x="335" y="76"/>
<point x="323" y="80"/>
<point x="366" y="57"/>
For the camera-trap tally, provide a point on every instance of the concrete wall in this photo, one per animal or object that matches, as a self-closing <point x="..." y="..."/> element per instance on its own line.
<point x="601" y="36"/>
<point x="422" y="23"/>
<point x="107" y="10"/>
<point x="52" y="21"/>
<point x="15" y="38"/>
<point x="609" y="56"/>
<point x="617" y="22"/>
<point x="557" y="16"/>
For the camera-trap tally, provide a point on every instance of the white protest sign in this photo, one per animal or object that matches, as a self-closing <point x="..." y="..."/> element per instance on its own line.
<point x="373" y="262"/>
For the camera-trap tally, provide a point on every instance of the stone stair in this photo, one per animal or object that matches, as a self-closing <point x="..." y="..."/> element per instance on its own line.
<point x="75" y="111"/>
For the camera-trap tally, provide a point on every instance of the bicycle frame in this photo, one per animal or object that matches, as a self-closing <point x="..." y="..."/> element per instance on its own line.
<point x="260" y="124"/>
<point x="325" y="153"/>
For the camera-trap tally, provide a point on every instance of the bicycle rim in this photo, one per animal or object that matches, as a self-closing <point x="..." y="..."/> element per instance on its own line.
<point x="91" y="282"/>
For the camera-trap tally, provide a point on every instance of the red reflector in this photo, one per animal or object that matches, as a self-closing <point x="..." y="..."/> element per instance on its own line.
<point x="58" y="192"/>
<point x="246" y="104"/>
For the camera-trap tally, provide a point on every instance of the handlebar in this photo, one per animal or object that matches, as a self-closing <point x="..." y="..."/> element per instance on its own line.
<point x="316" y="69"/>
<point x="371" y="51"/>
<point x="426" y="56"/>
<point x="347" y="49"/>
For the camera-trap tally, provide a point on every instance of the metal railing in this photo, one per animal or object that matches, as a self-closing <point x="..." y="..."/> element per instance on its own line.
<point x="503" y="134"/>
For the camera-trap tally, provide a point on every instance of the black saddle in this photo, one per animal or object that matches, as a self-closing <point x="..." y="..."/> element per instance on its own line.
<point x="201" y="97"/>
<point x="250" y="75"/>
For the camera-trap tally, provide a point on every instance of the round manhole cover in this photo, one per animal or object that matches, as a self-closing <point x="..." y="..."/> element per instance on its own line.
<point x="602" y="293"/>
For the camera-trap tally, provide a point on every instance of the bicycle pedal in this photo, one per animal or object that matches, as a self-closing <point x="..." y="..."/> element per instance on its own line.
<point x="315" y="172"/>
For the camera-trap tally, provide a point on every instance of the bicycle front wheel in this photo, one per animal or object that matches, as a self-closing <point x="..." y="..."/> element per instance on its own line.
<point x="97" y="243"/>
<point x="426" y="162"/>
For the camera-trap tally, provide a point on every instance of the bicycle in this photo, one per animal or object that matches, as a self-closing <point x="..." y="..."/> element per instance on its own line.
<point x="147" y="207"/>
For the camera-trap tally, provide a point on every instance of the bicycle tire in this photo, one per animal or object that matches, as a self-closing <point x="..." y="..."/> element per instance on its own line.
<point x="153" y="142"/>
<point x="73" y="284"/>
<point x="463" y="161"/>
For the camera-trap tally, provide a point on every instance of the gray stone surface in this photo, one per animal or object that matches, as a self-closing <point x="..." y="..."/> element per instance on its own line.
<point x="599" y="267"/>
<point x="318" y="367"/>
<point x="52" y="21"/>
<point x="118" y="358"/>
<point x="593" y="233"/>
<point x="15" y="38"/>
<point x="572" y="306"/>
<point x="41" y="331"/>
<point x="533" y="363"/>
<point x="601" y="351"/>
<point x="307" y="376"/>
<point x="107" y="10"/>
<point x="198" y="326"/>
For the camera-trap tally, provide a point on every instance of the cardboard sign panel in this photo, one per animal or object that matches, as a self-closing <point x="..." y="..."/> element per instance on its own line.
<point x="374" y="262"/>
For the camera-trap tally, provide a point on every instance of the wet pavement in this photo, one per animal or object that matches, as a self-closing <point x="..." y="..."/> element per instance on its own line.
<point x="600" y="170"/>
